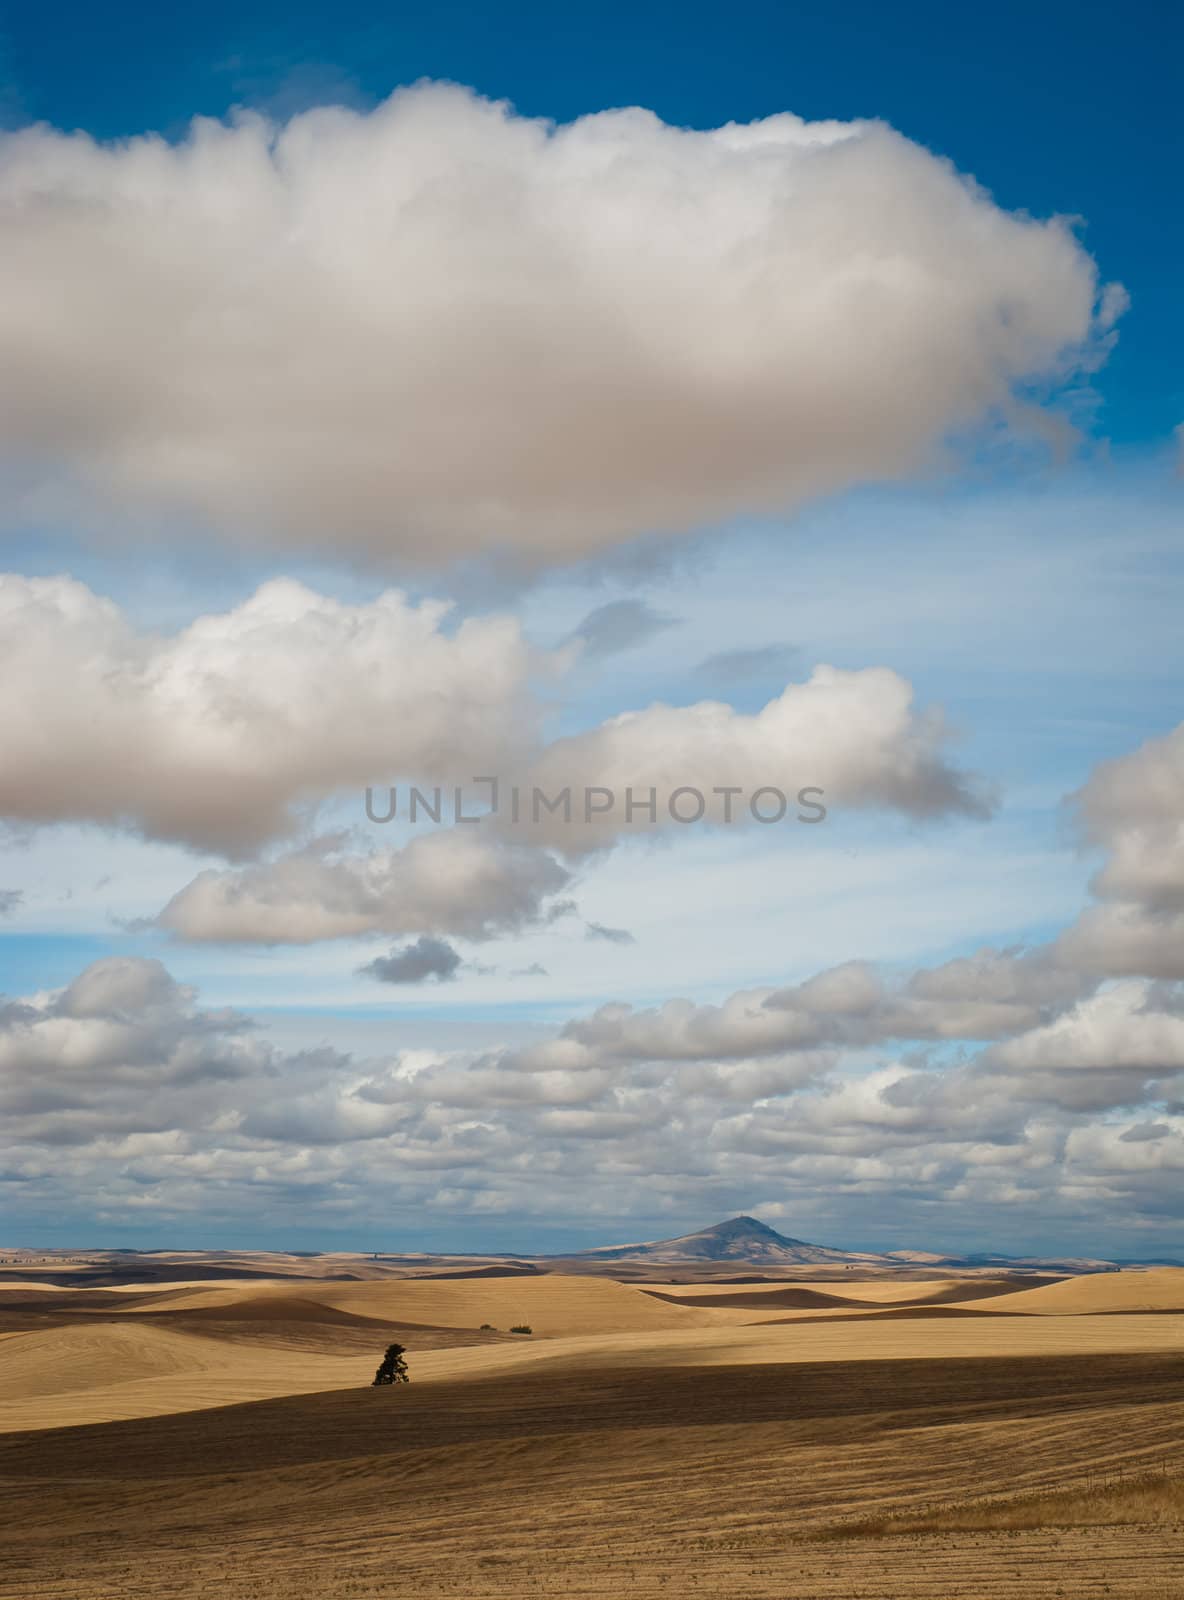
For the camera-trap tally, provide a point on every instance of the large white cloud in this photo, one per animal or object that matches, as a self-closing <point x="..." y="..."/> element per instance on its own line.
<point x="439" y="326"/>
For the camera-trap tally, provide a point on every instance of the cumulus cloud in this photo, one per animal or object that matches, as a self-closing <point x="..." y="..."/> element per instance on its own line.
<point x="415" y="963"/>
<point x="679" y="1030"/>
<point x="221" y="735"/>
<point x="229" y="734"/>
<point x="1125" y="941"/>
<point x="1118" y="1029"/>
<point x="853" y="1006"/>
<point x="122" y="1049"/>
<point x="857" y="736"/>
<point x="121" y="986"/>
<point x="172" y="1107"/>
<point x="458" y="881"/>
<point x="1133" y="808"/>
<point x="1007" y="1078"/>
<point x="1103" y="1160"/>
<point x="436" y="326"/>
<point x="995" y="991"/>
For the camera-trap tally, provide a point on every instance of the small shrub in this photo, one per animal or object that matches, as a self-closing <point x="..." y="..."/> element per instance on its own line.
<point x="522" y="1327"/>
<point x="487" y="1327"/>
<point x="393" y="1368"/>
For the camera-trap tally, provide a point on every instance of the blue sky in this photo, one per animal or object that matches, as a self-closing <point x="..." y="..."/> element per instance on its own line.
<point x="1021" y="579"/>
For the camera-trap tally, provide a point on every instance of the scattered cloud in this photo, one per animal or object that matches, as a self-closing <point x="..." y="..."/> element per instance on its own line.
<point x="10" y="899"/>
<point x="459" y="881"/>
<point x="620" y="625"/>
<point x="729" y="667"/>
<point x="155" y="1096"/>
<point x="597" y="930"/>
<point x="416" y="963"/>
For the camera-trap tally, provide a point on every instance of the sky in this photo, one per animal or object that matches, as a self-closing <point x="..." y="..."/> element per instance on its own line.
<point x="767" y="414"/>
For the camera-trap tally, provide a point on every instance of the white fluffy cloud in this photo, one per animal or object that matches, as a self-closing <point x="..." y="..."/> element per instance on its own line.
<point x="1121" y="1027"/>
<point x="122" y="1049"/>
<point x="439" y="326"/>
<point x="229" y="734"/>
<point x="853" y="1006"/>
<point x="992" y="993"/>
<point x="1119" y="1047"/>
<point x="219" y="735"/>
<point x="856" y="736"/>
<point x="1133" y="807"/>
<point x="459" y="882"/>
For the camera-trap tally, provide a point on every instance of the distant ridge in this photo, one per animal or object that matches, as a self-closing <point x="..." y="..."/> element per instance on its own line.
<point x="739" y="1239"/>
<point x="748" y="1240"/>
<point x="721" y="1252"/>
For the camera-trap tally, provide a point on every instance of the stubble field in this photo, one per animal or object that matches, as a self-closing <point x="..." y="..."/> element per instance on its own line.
<point x="911" y="1440"/>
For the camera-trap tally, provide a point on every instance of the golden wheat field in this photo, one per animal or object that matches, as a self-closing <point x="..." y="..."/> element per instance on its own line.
<point x="952" y="1439"/>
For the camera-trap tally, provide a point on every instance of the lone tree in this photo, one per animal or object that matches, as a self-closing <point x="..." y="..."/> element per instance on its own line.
<point x="393" y="1368"/>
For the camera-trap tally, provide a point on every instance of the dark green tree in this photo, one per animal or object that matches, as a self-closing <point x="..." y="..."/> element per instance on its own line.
<point x="393" y="1368"/>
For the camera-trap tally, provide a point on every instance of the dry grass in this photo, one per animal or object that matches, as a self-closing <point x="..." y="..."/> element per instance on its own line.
<point x="604" y="1481"/>
<point x="660" y="1451"/>
<point x="96" y="1357"/>
<point x="1158" y="1289"/>
<point x="552" y="1305"/>
<point x="63" y="1377"/>
<point x="1148" y="1500"/>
